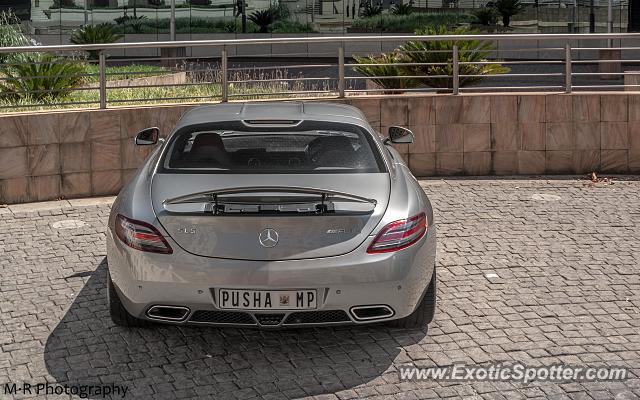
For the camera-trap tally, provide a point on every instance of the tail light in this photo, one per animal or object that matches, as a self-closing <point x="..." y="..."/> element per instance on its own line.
<point x="399" y="234"/>
<point x="141" y="236"/>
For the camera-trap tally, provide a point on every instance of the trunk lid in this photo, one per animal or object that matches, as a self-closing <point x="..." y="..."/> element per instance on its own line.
<point x="296" y="216"/>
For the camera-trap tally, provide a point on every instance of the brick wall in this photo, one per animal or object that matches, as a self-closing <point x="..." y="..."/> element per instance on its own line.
<point x="45" y="156"/>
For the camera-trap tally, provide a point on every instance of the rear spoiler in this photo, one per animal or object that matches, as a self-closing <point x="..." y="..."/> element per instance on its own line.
<point x="240" y="200"/>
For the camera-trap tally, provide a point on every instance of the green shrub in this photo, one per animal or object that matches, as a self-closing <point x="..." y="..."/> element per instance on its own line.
<point x="93" y="34"/>
<point x="200" y="25"/>
<point x="402" y="9"/>
<point x="433" y="52"/>
<point x="43" y="77"/>
<point x="409" y="23"/>
<point x="441" y="52"/>
<point x="187" y="25"/>
<point x="385" y="68"/>
<point x="209" y="25"/>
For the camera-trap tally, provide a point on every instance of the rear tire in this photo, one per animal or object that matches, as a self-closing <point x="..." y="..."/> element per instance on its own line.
<point x="425" y="311"/>
<point x="119" y="315"/>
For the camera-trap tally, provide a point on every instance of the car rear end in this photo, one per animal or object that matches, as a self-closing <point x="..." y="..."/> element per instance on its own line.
<point x="271" y="223"/>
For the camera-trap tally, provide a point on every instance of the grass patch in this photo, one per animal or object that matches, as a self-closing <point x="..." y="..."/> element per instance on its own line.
<point x="118" y="97"/>
<point x="202" y="88"/>
<point x="116" y="73"/>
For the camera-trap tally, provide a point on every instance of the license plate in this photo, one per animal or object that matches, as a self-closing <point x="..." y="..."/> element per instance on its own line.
<point x="239" y="299"/>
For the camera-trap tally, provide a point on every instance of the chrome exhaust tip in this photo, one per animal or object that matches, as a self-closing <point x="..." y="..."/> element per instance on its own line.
<point x="168" y="313"/>
<point x="371" y="312"/>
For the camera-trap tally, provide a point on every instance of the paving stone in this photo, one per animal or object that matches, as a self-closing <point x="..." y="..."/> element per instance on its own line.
<point x="567" y="290"/>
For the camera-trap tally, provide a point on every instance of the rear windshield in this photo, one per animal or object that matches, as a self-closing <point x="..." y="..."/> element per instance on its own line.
<point x="310" y="147"/>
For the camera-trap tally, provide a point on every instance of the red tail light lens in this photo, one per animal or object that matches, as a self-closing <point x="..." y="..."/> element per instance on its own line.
<point x="141" y="236"/>
<point x="399" y="234"/>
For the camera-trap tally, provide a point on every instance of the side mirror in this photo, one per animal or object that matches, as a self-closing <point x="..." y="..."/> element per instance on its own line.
<point x="147" y="136"/>
<point x="398" y="134"/>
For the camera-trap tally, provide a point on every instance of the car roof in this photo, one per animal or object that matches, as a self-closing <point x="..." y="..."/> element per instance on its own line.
<point x="273" y="110"/>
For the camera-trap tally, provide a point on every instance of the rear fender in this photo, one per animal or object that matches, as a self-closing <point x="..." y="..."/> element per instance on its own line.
<point x="134" y="200"/>
<point x="406" y="197"/>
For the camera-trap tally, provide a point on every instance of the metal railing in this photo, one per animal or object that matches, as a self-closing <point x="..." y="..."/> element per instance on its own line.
<point x="221" y="70"/>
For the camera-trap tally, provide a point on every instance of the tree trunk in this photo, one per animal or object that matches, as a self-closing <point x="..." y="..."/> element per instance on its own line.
<point x="506" y="20"/>
<point x="634" y="16"/>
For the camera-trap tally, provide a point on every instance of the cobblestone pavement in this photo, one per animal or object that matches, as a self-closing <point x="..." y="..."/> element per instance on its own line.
<point x="566" y="254"/>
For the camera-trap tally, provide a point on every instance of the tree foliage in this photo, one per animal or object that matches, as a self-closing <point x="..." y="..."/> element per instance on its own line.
<point x="507" y="9"/>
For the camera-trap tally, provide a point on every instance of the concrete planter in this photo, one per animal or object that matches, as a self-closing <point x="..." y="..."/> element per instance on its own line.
<point x="632" y="81"/>
<point x="610" y="67"/>
<point x="172" y="56"/>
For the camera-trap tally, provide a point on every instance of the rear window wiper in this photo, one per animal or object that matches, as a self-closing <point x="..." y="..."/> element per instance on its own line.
<point x="271" y="200"/>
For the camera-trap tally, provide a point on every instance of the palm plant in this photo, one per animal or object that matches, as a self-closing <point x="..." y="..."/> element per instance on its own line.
<point x="41" y="77"/>
<point x="402" y="9"/>
<point x="438" y="57"/>
<point x="131" y="23"/>
<point x="136" y="24"/>
<point x="384" y="71"/>
<point x="262" y="18"/>
<point x="93" y="34"/>
<point x="507" y="9"/>
<point x="128" y="18"/>
<point x="486" y="16"/>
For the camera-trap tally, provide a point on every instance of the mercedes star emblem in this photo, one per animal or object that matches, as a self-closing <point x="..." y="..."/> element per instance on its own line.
<point x="268" y="237"/>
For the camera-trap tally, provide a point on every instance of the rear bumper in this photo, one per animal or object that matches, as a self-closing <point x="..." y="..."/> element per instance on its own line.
<point x="397" y="280"/>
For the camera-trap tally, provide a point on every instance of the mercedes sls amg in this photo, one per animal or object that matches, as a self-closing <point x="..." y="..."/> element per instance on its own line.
<point x="272" y="215"/>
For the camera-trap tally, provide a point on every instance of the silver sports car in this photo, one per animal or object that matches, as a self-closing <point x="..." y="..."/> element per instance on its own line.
<point x="272" y="215"/>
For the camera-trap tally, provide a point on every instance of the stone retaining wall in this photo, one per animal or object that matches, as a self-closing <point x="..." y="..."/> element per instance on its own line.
<point x="70" y="154"/>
